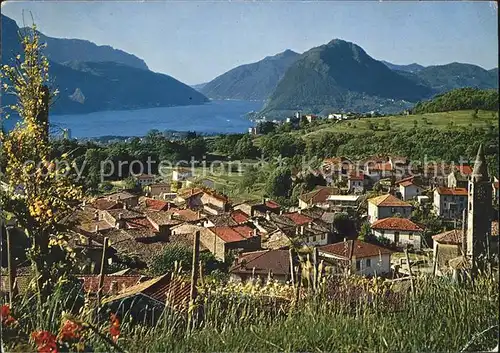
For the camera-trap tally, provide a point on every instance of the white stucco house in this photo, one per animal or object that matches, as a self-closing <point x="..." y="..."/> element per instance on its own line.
<point x="386" y="206"/>
<point x="400" y="231"/>
<point x="182" y="174"/>
<point x="357" y="257"/>
<point x="145" y="179"/>
<point x="409" y="190"/>
<point x="449" y="203"/>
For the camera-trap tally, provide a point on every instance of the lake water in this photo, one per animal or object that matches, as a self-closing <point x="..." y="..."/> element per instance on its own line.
<point x="224" y="116"/>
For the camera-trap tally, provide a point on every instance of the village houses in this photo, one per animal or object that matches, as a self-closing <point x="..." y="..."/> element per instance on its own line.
<point x="357" y="257"/>
<point x="387" y="206"/>
<point x="400" y="231"/>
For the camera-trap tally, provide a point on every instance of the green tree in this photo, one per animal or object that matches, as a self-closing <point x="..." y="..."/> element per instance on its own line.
<point x="180" y="257"/>
<point x="365" y="232"/>
<point x="279" y="183"/>
<point x="245" y="148"/>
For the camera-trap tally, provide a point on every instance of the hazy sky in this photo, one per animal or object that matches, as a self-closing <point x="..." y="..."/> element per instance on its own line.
<point x="194" y="41"/>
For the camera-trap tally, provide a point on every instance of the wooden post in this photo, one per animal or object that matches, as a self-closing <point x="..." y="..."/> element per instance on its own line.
<point x="11" y="265"/>
<point x="194" y="278"/>
<point x="315" y="269"/>
<point x="102" y="272"/>
<point x="434" y="270"/>
<point x="409" y="271"/>
<point x="202" y="278"/>
<point x="292" y="268"/>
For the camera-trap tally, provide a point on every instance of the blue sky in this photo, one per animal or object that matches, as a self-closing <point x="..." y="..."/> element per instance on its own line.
<point x="196" y="41"/>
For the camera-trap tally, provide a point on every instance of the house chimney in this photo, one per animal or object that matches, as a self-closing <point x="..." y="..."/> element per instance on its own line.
<point x="309" y="225"/>
<point x="299" y="211"/>
<point x="97" y="228"/>
<point x="268" y="215"/>
<point x="168" y="206"/>
<point x="96" y="215"/>
<point x="281" y="212"/>
<point x="124" y="205"/>
<point x="255" y="232"/>
<point x="120" y="215"/>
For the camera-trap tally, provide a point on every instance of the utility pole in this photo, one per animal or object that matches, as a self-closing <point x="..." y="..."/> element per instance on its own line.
<point x="11" y="265"/>
<point x="194" y="278"/>
<point x="102" y="272"/>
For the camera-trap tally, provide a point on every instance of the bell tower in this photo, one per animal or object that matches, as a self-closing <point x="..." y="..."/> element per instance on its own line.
<point x="479" y="211"/>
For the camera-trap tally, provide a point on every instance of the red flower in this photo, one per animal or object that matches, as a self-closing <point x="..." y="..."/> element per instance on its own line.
<point x="45" y="341"/>
<point x="70" y="330"/>
<point x="5" y="311"/>
<point x="5" y="315"/>
<point x="114" y="330"/>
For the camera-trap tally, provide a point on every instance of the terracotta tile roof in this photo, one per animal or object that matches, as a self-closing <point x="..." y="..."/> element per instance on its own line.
<point x="272" y="204"/>
<point x="318" y="195"/>
<point x="163" y="289"/>
<point x="388" y="201"/>
<point x="385" y="166"/>
<point x="395" y="223"/>
<point x="465" y="169"/>
<point x="125" y="213"/>
<point x="186" y="215"/>
<point x="140" y="223"/>
<point x="105" y="204"/>
<point x="232" y="234"/>
<point x="356" y="176"/>
<point x="410" y="178"/>
<point x="111" y="284"/>
<point x="449" y="237"/>
<point x="121" y="195"/>
<point x="297" y="218"/>
<point x="222" y="220"/>
<point x="239" y="216"/>
<point x="187" y="193"/>
<point x="161" y="217"/>
<point x="157" y="205"/>
<point x="359" y="248"/>
<point x="261" y="262"/>
<point x="442" y="190"/>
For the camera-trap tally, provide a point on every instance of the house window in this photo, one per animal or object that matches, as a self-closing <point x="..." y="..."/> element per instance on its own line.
<point x="358" y="265"/>
<point x="314" y="238"/>
<point x="410" y="236"/>
<point x="382" y="232"/>
<point x="323" y="236"/>
<point x="393" y="210"/>
<point x="368" y="262"/>
<point x="396" y="237"/>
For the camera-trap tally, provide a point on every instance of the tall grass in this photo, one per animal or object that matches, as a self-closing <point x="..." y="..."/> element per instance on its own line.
<point x="349" y="315"/>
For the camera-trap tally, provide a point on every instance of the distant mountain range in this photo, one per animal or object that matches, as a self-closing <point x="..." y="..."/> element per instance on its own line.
<point x="407" y="68"/>
<point x="338" y="76"/>
<point x="94" y="78"/>
<point x="341" y="76"/>
<point x="62" y="50"/>
<point x="254" y="81"/>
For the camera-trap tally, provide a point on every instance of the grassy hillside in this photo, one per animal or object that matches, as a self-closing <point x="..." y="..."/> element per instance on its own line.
<point x="460" y="99"/>
<point x="439" y="121"/>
